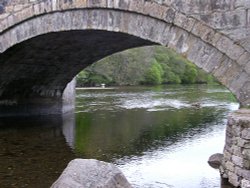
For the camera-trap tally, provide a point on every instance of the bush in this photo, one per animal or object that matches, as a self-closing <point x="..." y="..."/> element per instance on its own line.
<point x="148" y="65"/>
<point x="154" y="75"/>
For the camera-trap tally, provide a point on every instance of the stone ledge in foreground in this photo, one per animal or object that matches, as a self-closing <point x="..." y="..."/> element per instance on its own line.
<point x="91" y="173"/>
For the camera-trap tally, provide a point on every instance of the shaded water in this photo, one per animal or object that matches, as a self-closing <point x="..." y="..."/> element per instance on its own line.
<point x="155" y="135"/>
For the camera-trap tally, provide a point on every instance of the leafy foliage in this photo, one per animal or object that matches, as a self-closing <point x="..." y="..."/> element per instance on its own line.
<point x="148" y="65"/>
<point x="154" y="74"/>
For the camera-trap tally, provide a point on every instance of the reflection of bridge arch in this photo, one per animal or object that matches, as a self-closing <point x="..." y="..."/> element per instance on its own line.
<point x="46" y="44"/>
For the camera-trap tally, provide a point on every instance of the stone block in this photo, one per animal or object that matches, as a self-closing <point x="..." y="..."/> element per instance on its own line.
<point x="157" y="34"/>
<point x="229" y="140"/>
<point x="234" y="179"/>
<point x="167" y="2"/>
<point x="223" y="172"/>
<point x="136" y="6"/>
<point x="243" y="173"/>
<point x="244" y="58"/>
<point x="243" y="143"/>
<point x="235" y="52"/>
<point x="245" y="134"/>
<point x="180" y="41"/>
<point x="245" y="183"/>
<point x="214" y="58"/>
<point x="244" y="94"/>
<point x="236" y="130"/>
<point x="246" y="164"/>
<point x="230" y="166"/>
<point x="154" y="9"/>
<point x="121" y="4"/>
<point x="4" y="15"/>
<point x="236" y="83"/>
<point x="246" y="154"/>
<point x="110" y="3"/>
<point x="224" y="43"/>
<point x="199" y="29"/>
<point x="203" y="54"/>
<point x="169" y="15"/>
<point x="141" y="27"/>
<point x="247" y="68"/>
<point x="166" y="35"/>
<point x="209" y="35"/>
<point x="227" y="155"/>
<point x="230" y="120"/>
<point x="228" y="148"/>
<point x="184" y="21"/>
<point x="237" y="160"/>
<point x="227" y="71"/>
<point x="237" y="151"/>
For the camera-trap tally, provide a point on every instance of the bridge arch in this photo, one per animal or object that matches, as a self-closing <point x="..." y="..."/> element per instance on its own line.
<point x="35" y="60"/>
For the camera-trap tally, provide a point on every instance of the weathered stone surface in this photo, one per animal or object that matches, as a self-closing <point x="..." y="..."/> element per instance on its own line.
<point x="230" y="166"/>
<point x="246" y="153"/>
<point x="215" y="160"/>
<point x="243" y="173"/>
<point x="192" y="28"/>
<point x="227" y="155"/>
<point x="234" y="179"/>
<point x="237" y="151"/>
<point x="243" y="143"/>
<point x="84" y="173"/>
<point x="245" y="183"/>
<point x="246" y="164"/>
<point x="246" y="133"/>
<point x="236" y="161"/>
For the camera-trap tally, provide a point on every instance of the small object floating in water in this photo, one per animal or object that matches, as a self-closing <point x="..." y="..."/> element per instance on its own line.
<point x="197" y="105"/>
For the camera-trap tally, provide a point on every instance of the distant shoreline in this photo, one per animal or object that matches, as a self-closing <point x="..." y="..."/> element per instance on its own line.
<point x="94" y="88"/>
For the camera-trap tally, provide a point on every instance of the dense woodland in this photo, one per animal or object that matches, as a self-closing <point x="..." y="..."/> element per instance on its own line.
<point x="148" y="66"/>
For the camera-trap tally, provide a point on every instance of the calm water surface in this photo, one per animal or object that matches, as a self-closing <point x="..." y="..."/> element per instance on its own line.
<point x="155" y="135"/>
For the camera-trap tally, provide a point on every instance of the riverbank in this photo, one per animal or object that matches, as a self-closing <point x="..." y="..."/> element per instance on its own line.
<point x="94" y="88"/>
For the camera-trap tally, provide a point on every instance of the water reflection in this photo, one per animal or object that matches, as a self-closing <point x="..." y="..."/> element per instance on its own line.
<point x="135" y="131"/>
<point x="33" y="151"/>
<point x="158" y="139"/>
<point x="154" y="135"/>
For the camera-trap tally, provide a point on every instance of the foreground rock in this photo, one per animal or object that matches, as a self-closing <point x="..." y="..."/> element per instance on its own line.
<point x="215" y="160"/>
<point x="90" y="173"/>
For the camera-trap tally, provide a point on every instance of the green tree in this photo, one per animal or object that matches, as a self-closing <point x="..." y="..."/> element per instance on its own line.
<point x="190" y="74"/>
<point x="147" y="65"/>
<point x="154" y="74"/>
<point x="82" y="78"/>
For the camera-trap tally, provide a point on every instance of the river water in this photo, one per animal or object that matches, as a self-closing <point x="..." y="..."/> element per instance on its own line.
<point x="158" y="136"/>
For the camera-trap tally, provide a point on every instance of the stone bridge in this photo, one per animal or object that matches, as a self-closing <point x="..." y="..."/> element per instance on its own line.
<point x="45" y="43"/>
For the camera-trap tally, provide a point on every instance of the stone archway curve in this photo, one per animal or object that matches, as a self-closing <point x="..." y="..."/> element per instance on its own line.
<point x="207" y="48"/>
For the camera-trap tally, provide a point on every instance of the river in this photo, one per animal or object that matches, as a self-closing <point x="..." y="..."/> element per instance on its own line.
<point x="158" y="136"/>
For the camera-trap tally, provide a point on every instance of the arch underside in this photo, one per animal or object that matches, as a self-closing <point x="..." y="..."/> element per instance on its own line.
<point x="41" y="55"/>
<point x="35" y="72"/>
<point x="42" y="66"/>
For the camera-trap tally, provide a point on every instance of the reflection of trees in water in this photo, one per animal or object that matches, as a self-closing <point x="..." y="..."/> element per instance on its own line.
<point x="33" y="151"/>
<point x="108" y="135"/>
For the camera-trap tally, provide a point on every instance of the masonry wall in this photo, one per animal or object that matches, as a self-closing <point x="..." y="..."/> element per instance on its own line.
<point x="236" y="162"/>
